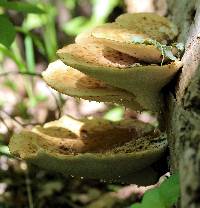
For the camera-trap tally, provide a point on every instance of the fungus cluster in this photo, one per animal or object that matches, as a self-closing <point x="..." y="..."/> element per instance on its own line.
<point x="125" y="62"/>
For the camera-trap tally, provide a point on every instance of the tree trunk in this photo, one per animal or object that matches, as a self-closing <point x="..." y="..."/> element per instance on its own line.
<point x="183" y="103"/>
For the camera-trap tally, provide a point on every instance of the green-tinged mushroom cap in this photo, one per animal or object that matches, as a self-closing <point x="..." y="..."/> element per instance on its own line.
<point x="154" y="26"/>
<point x="141" y="35"/>
<point x="93" y="148"/>
<point x="121" y="70"/>
<point x="72" y="82"/>
<point x="122" y="39"/>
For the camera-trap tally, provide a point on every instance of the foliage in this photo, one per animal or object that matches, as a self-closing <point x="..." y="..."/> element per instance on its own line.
<point x="115" y="114"/>
<point x="21" y="7"/>
<point x="162" y="197"/>
<point x="7" y="32"/>
<point x="81" y="23"/>
<point x="165" y="50"/>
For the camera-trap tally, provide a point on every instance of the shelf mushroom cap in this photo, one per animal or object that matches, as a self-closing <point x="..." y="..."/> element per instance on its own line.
<point x="94" y="148"/>
<point x="121" y="70"/>
<point x="85" y="37"/>
<point x="127" y="41"/>
<point x="122" y="35"/>
<point x="153" y="25"/>
<point x="122" y="39"/>
<point x="72" y="82"/>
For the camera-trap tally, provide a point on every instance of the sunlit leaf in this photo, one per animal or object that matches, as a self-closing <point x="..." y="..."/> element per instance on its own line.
<point x="70" y="4"/>
<point x="79" y="24"/>
<point x="33" y="21"/>
<point x="76" y="25"/>
<point x="29" y="51"/>
<point x="115" y="114"/>
<point x="105" y="7"/>
<point x="4" y="149"/>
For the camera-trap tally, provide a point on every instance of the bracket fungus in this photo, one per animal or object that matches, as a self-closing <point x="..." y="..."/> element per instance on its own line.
<point x="126" y="62"/>
<point x="70" y="81"/>
<point x="126" y="54"/>
<point x="96" y="148"/>
<point x="144" y="82"/>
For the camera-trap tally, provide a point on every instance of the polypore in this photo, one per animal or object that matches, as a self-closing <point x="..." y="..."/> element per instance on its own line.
<point x="143" y="81"/>
<point x="70" y="81"/>
<point x="122" y="62"/>
<point x="95" y="148"/>
<point x="123" y="34"/>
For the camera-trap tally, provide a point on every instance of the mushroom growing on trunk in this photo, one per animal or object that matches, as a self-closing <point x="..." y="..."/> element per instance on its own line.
<point x="126" y="62"/>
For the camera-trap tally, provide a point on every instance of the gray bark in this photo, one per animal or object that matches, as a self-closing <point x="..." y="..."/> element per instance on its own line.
<point x="183" y="115"/>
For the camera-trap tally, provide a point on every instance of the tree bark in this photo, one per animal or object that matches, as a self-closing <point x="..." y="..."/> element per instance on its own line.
<point x="183" y="103"/>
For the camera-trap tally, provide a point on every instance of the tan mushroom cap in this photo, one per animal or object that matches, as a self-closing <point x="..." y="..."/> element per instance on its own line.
<point x="91" y="146"/>
<point x="120" y="70"/>
<point x="121" y="39"/>
<point x="70" y="81"/>
<point x="85" y="37"/>
<point x="99" y="55"/>
<point x="154" y="26"/>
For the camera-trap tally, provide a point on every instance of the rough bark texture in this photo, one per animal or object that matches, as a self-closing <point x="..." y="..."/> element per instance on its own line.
<point x="183" y="116"/>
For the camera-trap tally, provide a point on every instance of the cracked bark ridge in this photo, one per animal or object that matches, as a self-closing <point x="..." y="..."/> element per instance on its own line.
<point x="183" y="117"/>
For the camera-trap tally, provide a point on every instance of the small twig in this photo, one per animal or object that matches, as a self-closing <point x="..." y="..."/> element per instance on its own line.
<point x="4" y="123"/>
<point x="28" y="188"/>
<point x="12" y="118"/>
<point x="20" y="73"/>
<point x="57" y="104"/>
<point x="18" y="122"/>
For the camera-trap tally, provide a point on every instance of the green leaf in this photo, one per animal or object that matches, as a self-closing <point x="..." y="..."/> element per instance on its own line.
<point x="32" y="21"/>
<point x="70" y="4"/>
<point x="4" y="150"/>
<point x="137" y="205"/>
<point x="169" y="54"/>
<point x="152" y="199"/>
<point x="179" y="46"/>
<point x="170" y="190"/>
<point x="81" y="23"/>
<point x="162" y="197"/>
<point x="76" y="25"/>
<point x="40" y="98"/>
<point x="165" y="50"/>
<point x="29" y="51"/>
<point x="7" y="31"/>
<point x="115" y="114"/>
<point x="21" y="7"/>
<point x="22" y="110"/>
<point x="138" y="39"/>
<point x="106" y="7"/>
<point x="9" y="83"/>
